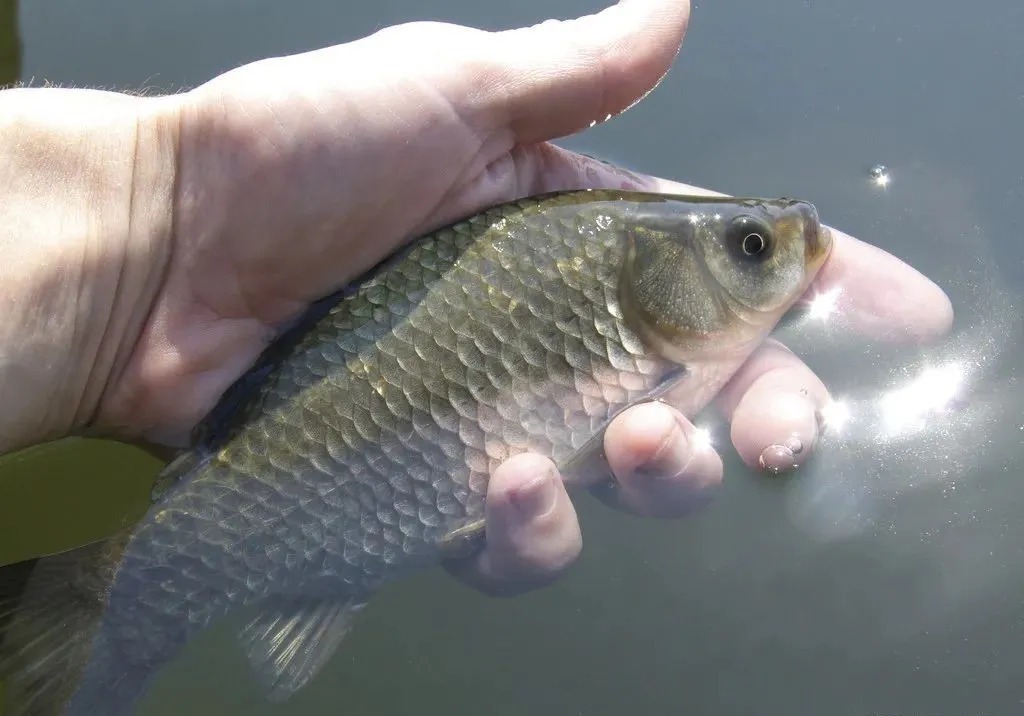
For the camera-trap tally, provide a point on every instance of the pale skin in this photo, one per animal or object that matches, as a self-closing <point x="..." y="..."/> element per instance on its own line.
<point x="153" y="246"/>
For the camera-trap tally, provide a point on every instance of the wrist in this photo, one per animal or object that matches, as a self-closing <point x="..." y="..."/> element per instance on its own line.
<point x="85" y="232"/>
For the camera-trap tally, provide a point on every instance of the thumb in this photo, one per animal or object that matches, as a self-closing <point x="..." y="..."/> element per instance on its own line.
<point x="560" y="76"/>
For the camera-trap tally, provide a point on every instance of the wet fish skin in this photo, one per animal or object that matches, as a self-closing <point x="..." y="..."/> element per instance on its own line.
<point x="362" y="440"/>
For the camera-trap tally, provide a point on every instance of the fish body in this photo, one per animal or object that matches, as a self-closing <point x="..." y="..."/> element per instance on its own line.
<point x="358" y="448"/>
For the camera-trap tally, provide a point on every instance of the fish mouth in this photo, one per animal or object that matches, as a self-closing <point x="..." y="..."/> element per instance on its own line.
<point x="817" y="237"/>
<point x="817" y="244"/>
<point x="802" y="218"/>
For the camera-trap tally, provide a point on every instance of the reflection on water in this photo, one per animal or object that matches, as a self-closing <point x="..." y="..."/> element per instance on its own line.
<point x="880" y="176"/>
<point x="925" y="400"/>
<point x="10" y="43"/>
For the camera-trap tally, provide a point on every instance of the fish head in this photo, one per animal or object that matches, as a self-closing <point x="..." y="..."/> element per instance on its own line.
<point x="706" y="277"/>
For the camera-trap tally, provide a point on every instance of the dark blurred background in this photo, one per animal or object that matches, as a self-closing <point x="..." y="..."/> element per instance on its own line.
<point x="10" y="43"/>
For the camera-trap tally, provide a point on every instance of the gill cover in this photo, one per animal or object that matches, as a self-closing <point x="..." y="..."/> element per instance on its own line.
<point x="728" y="271"/>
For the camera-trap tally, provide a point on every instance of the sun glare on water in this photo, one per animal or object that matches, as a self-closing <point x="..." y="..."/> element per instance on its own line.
<point x="701" y="440"/>
<point x="824" y="304"/>
<point x="880" y="176"/>
<point x="835" y="416"/>
<point x="903" y="410"/>
<point x="907" y="408"/>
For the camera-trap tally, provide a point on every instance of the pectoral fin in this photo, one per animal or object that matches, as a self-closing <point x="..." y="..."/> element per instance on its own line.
<point x="183" y="464"/>
<point x="587" y="465"/>
<point x="465" y="540"/>
<point x="290" y="640"/>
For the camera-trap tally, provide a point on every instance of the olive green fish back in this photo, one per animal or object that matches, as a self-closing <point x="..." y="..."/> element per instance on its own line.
<point x="498" y="335"/>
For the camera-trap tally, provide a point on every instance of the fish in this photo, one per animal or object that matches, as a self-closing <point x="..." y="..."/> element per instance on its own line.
<point x="357" y="448"/>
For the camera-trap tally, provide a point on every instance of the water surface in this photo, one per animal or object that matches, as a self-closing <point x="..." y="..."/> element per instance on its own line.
<point x="10" y="44"/>
<point x="886" y="578"/>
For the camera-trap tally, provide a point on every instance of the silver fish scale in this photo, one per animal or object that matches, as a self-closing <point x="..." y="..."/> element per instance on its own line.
<point x="374" y="437"/>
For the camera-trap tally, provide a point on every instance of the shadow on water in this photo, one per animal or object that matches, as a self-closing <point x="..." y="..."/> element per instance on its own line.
<point x="92" y="488"/>
<point x="10" y="43"/>
<point x="67" y="493"/>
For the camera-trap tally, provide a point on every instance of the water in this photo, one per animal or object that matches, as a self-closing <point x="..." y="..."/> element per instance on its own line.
<point x="884" y="579"/>
<point x="10" y="45"/>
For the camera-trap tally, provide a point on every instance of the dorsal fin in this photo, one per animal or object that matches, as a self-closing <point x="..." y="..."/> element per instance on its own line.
<point x="291" y="639"/>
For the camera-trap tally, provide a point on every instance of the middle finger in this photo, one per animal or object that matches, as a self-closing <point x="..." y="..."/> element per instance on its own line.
<point x="774" y="403"/>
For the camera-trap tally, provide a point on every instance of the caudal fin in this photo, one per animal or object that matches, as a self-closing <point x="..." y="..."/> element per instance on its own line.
<point x="46" y="630"/>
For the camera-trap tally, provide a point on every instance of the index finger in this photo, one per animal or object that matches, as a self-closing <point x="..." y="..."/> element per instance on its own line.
<point x="878" y="296"/>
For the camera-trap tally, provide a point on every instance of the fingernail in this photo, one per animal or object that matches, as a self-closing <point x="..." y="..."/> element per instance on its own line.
<point x="670" y="459"/>
<point x="779" y="459"/>
<point x="536" y="497"/>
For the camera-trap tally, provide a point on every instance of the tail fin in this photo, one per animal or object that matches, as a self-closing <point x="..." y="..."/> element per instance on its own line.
<point x="48" y="621"/>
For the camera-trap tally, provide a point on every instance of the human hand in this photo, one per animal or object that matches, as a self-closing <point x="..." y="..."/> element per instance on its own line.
<point x="294" y="175"/>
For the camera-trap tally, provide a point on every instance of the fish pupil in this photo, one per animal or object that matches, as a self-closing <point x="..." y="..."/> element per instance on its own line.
<point x="749" y="239"/>
<point x="754" y="244"/>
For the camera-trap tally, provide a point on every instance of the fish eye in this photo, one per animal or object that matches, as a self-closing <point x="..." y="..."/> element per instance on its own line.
<point x="750" y="238"/>
<point x="754" y="243"/>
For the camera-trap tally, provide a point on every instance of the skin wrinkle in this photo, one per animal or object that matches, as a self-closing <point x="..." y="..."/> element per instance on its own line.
<point x="203" y="369"/>
<point x="104" y="370"/>
<point x="156" y="275"/>
<point x="71" y="312"/>
<point x="62" y="327"/>
<point x="81" y="334"/>
<point x="664" y="450"/>
<point x="147" y="252"/>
